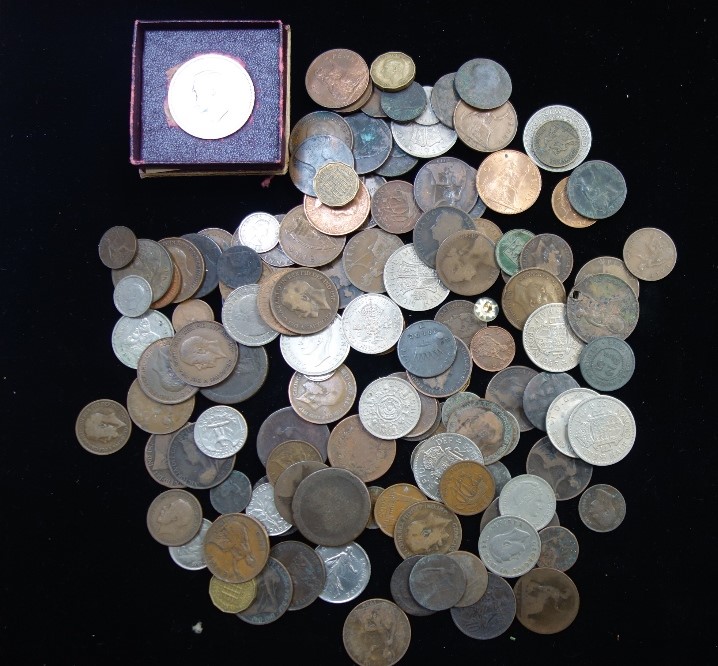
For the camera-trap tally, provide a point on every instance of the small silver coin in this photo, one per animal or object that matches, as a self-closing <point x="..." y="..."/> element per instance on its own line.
<point x="348" y="571"/>
<point x="190" y="556"/>
<point x="509" y="546"/>
<point x="132" y="296"/>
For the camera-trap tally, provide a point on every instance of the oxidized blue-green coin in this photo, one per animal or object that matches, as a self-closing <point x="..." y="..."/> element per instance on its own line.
<point x="399" y="163"/>
<point x="483" y="83"/>
<point x="607" y="363"/>
<point x="508" y="249"/>
<point x="404" y="105"/>
<point x="596" y="189"/>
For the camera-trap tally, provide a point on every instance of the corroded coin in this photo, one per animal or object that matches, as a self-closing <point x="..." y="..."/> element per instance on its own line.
<point x="339" y="220"/>
<point x="611" y="265"/>
<point x="174" y="517"/>
<point x="351" y="446"/>
<point x="274" y="594"/>
<point x="394" y="208"/>
<point x="365" y="256"/>
<point x="246" y="379"/>
<point x="203" y="354"/>
<point x="323" y="401"/>
<point x="210" y="96"/>
<point x="336" y="184"/>
<point x="435" y="226"/>
<point x="157" y="378"/>
<point x="455" y="379"/>
<point x="540" y="393"/>
<point x="556" y="143"/>
<point x="392" y="502"/>
<point x="509" y="247"/>
<point x="320" y="122"/>
<point x="549" y="340"/>
<point x="190" y="262"/>
<point x="607" y="363"/>
<point x="483" y="83"/>
<point x="156" y="417"/>
<point x="305" y="568"/>
<point x="444" y="99"/>
<point x="305" y="300"/>
<point x="466" y="263"/>
<point x="371" y="142"/>
<point x="232" y="597"/>
<point x="563" y="209"/>
<point x="426" y="348"/>
<point x="446" y="181"/>
<point x="477" y="579"/>
<point x="331" y="507"/>
<point x="389" y="407"/>
<point x="239" y="265"/>
<point x="337" y="78"/>
<point x="566" y="475"/>
<point x="506" y="388"/>
<point x="650" y="254"/>
<point x="117" y="246"/>
<point x="437" y="582"/>
<point x="467" y="487"/>
<point x="546" y="600"/>
<point x="491" y="615"/>
<point x="427" y="527"/>
<point x="236" y="547"/>
<point x="508" y="182"/>
<point x="485" y="130"/>
<point x="405" y="104"/>
<point x="602" y="507"/>
<point x="393" y="70"/>
<point x="103" y="427"/>
<point x="549" y="252"/>
<point x="492" y="348"/>
<point x="526" y="291"/>
<point x="233" y="494"/>
<point x="596" y="189"/>
<point x="559" y="548"/>
<point x="372" y="107"/>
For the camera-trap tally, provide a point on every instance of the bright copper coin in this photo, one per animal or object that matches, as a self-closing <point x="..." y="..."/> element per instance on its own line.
<point x="392" y="71"/>
<point x="466" y="263"/>
<point x="547" y="600"/>
<point x="338" y="220"/>
<point x="485" y="130"/>
<point x="467" y="487"/>
<point x="352" y="447"/>
<point x="203" y="354"/>
<point x="155" y="417"/>
<point x="236" y="547"/>
<point x="304" y="244"/>
<point x="191" y="310"/>
<point x="527" y="290"/>
<point x="493" y="348"/>
<point x="549" y="252"/>
<point x="304" y="300"/>
<point x="365" y="256"/>
<point x="425" y="528"/>
<point x="336" y="184"/>
<point x="190" y="262"/>
<point x="563" y="209"/>
<point x="286" y="454"/>
<point x="103" y="427"/>
<point x="323" y="401"/>
<point x="376" y="632"/>
<point x="174" y="517"/>
<point x="508" y="182"/>
<point x="392" y="502"/>
<point x="337" y="78"/>
<point x="650" y="254"/>
<point x="117" y="247"/>
<point x="394" y="208"/>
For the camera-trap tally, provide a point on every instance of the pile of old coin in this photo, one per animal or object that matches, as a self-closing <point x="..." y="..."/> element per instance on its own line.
<point x="338" y="273"/>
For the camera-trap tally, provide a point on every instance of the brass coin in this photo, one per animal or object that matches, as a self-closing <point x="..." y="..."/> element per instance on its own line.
<point x="336" y="184"/>
<point x="203" y="354"/>
<point x="547" y="600"/>
<point x="392" y="502"/>
<point x="232" y="597"/>
<point x="392" y="71"/>
<point x="508" y="182"/>
<point x="236" y="547"/>
<point x="287" y="453"/>
<point x="376" y="632"/>
<point x="425" y="528"/>
<point x="467" y="487"/>
<point x="337" y="78"/>
<point x="174" y="517"/>
<point x="493" y="348"/>
<point x="103" y="427"/>
<point x="527" y="290"/>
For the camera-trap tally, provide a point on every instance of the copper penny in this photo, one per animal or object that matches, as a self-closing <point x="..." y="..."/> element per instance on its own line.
<point x="304" y="244"/>
<point x="365" y="256"/>
<point x="650" y="254"/>
<point x="459" y="316"/>
<point x="174" y="517"/>
<point x="157" y="378"/>
<point x="323" y="401"/>
<point x="563" y="209"/>
<point x="173" y="289"/>
<point x="376" y="632"/>
<point x="506" y="388"/>
<point x="425" y="528"/>
<point x="446" y="181"/>
<point x="508" y="182"/>
<point x="612" y="265"/>
<point x="264" y="302"/>
<point x="156" y="460"/>
<point x="304" y="300"/>
<point x="392" y="502"/>
<point x="467" y="487"/>
<point x="488" y="228"/>
<point x="155" y="417"/>
<point x="287" y="484"/>
<point x="466" y="263"/>
<point x="203" y="354"/>
<point x="366" y="96"/>
<point x="352" y="447"/>
<point x="117" y="247"/>
<point x="341" y="219"/>
<point x="190" y="262"/>
<point x="285" y="424"/>
<point x="485" y="130"/>
<point x="547" y="600"/>
<point x="493" y="348"/>
<point x="103" y="427"/>
<point x="337" y="78"/>
<point x="549" y="252"/>
<point x="287" y="453"/>
<point x="528" y="289"/>
<point x="394" y="208"/>
<point x="152" y="262"/>
<point x="236" y="547"/>
<point x="191" y="310"/>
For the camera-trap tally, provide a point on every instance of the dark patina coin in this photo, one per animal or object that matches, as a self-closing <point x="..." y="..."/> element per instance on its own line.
<point x="193" y="468"/>
<point x="210" y="253"/>
<point x="117" y="247"/>
<point x="437" y="582"/>
<point x="540" y="392"/>
<point x="568" y="477"/>
<point x="274" y="595"/>
<point x="305" y="568"/>
<point x="426" y="348"/>
<point x="607" y="363"/>
<point x="311" y="155"/>
<point x="491" y="615"/>
<point x="436" y="225"/>
<point x="556" y="143"/>
<point x="233" y="494"/>
<point x="401" y="592"/>
<point x="406" y="104"/>
<point x="285" y="424"/>
<point x="398" y="163"/>
<point x="239" y="265"/>
<point x="372" y="141"/>
<point x="547" y="600"/>
<point x="596" y="189"/>
<point x="483" y="83"/>
<point x="444" y="99"/>
<point x="246" y="379"/>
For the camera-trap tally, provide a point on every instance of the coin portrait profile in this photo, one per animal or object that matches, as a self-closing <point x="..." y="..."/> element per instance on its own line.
<point x="201" y="352"/>
<point x="303" y="299"/>
<point x="103" y="427"/>
<point x="173" y="517"/>
<point x="507" y="545"/>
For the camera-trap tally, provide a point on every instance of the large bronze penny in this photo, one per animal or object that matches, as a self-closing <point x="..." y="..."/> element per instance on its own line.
<point x="155" y="417"/>
<point x="304" y="300"/>
<point x="365" y="256"/>
<point x="117" y="247"/>
<point x="285" y="424"/>
<point x="190" y="262"/>
<point x="392" y="502"/>
<point x="337" y="78"/>
<point x="304" y="244"/>
<point x="650" y="254"/>
<point x="427" y="527"/>
<point x="323" y="401"/>
<point x="174" y="517"/>
<point x="547" y="600"/>
<point x="508" y="182"/>
<point x="286" y="454"/>
<point x="376" y="633"/>
<point x="528" y="289"/>
<point x="203" y="354"/>
<point x="394" y="208"/>
<point x="305" y="568"/>
<point x="103" y="427"/>
<point x="338" y="220"/>
<point x="157" y="378"/>
<point x="466" y="263"/>
<point x="287" y="484"/>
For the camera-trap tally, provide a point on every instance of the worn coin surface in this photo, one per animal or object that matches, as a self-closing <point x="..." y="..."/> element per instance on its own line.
<point x="263" y="508"/>
<point x="365" y="256"/>
<point x="190" y="555"/>
<point x="156" y="417"/>
<point x="337" y="78"/>
<point x="311" y="155"/>
<point x="485" y="130"/>
<point x="556" y="143"/>
<point x="316" y="353"/>
<point x="239" y="265"/>
<point x="287" y="453"/>
<point x="602" y="507"/>
<point x="492" y="348"/>
<point x="157" y="378"/>
<point x="284" y="424"/>
<point x="288" y="482"/>
<point x="509" y="546"/>
<point x="466" y="263"/>
<point x="508" y="182"/>
<point x="246" y="379"/>
<point x="435" y="226"/>
<point x="444" y="99"/>
<point x="193" y="309"/>
<point x="467" y="487"/>
<point x="613" y="266"/>
<point x="483" y="83"/>
<point x="411" y="283"/>
<point x="547" y="600"/>
<point x="559" y="548"/>
<point x="563" y="209"/>
<point x="273" y="597"/>
<point x="566" y="475"/>
<point x="190" y="262"/>
<point x="459" y="316"/>
<point x="394" y="208"/>
<point x="305" y="568"/>
<point x="336" y="184"/>
<point x="174" y="517"/>
<point x="549" y="252"/>
<point x="425" y="528"/>
<point x="305" y="300"/>
<point x="446" y="181"/>
<point x="530" y="497"/>
<point x="526" y="291"/>
<point x="156" y="461"/>
<point x="236" y="547"/>
<point x="371" y="142"/>
<point x="596" y="189"/>
<point x="406" y="104"/>
<point x="506" y="388"/>
<point x="304" y="244"/>
<point x="423" y="141"/>
<point x="103" y="427"/>
<point x="437" y="581"/>
<point x="399" y="588"/>
<point x="132" y="296"/>
<point x="210" y="96"/>
<point x="540" y="393"/>
<point x="650" y="254"/>
<point x="348" y="572"/>
<point x="491" y="615"/>
<point x="191" y="466"/>
<point x="389" y="407"/>
<point x="607" y="363"/>
<point x="486" y="424"/>
<point x="323" y="401"/>
<point x="477" y="579"/>
<point x="455" y="379"/>
<point x="132" y="335"/>
<point x="117" y="246"/>
<point x="242" y="319"/>
<point x="339" y="220"/>
<point x="211" y="252"/>
<point x="233" y="494"/>
<point x="426" y="348"/>
<point x="376" y="631"/>
<point x="392" y="502"/>
<point x="320" y="122"/>
<point x="152" y="262"/>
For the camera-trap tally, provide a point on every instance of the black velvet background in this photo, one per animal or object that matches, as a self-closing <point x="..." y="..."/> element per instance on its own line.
<point x="84" y="583"/>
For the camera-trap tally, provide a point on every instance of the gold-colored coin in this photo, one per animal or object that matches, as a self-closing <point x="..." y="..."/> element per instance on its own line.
<point x="467" y="487"/>
<point x="392" y="502"/>
<point x="232" y="597"/>
<point x="392" y="71"/>
<point x="425" y="528"/>
<point x="336" y="184"/>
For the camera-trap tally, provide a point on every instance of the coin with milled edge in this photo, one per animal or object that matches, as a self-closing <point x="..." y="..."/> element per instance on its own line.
<point x="317" y="353"/>
<point x="373" y="323"/>
<point x="263" y="508"/>
<point x="574" y="120"/>
<point x="547" y="600"/>
<point x="103" y="427"/>
<point x="389" y="407"/>
<point x="423" y="141"/>
<point x="132" y="296"/>
<point x="557" y="416"/>
<point x="650" y="254"/>
<point x="411" y="283"/>
<point x="602" y="507"/>
<point x="509" y="546"/>
<point x="174" y="517"/>
<point x="549" y="340"/>
<point x="242" y="319"/>
<point x="220" y="431"/>
<point x="607" y="363"/>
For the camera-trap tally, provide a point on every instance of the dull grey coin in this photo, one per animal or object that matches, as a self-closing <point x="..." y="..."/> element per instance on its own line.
<point x="491" y="615"/>
<point x="607" y="363"/>
<point x="287" y="483"/>
<point x="233" y="494"/>
<point x="193" y="468"/>
<point x="556" y="143"/>
<point x="444" y="99"/>
<point x="284" y="424"/>
<point x="211" y="253"/>
<point x="372" y="141"/>
<point x="568" y="476"/>
<point x="559" y="548"/>
<point x="426" y="348"/>
<point x="401" y="592"/>
<point x="239" y="265"/>
<point x="398" y="163"/>
<point x="311" y="155"/>
<point x="305" y="568"/>
<point x="501" y="475"/>
<point x="190" y="556"/>
<point x="540" y="393"/>
<point x="490" y="512"/>
<point x="331" y="506"/>
<point x="483" y="83"/>
<point x="404" y="105"/>
<point x="246" y="379"/>
<point x="602" y="507"/>
<point x="274" y="594"/>
<point x="596" y="189"/>
<point x="507" y="387"/>
<point x="437" y="582"/>
<point x="477" y="578"/>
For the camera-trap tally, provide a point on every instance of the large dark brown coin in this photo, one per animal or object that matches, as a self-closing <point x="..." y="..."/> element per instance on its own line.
<point x="491" y="615"/>
<point x="287" y="453"/>
<point x="540" y="392"/>
<point x="507" y="387"/>
<point x="466" y="263"/>
<point x="365" y="256"/>
<point x="306" y="569"/>
<point x="437" y="582"/>
<point x="559" y="548"/>
<point x="393" y="207"/>
<point x="549" y="252"/>
<point x="152" y="262"/>
<point x="304" y="300"/>
<point x="331" y="507"/>
<point x="287" y="484"/>
<point x="376" y="633"/>
<point x="547" y="600"/>
<point x="246" y="379"/>
<point x="239" y="265"/>
<point x="527" y="290"/>
<point x="103" y="427"/>
<point x="156" y="460"/>
<point x="323" y="401"/>
<point x="444" y="99"/>
<point x="157" y="378"/>
<point x="190" y="263"/>
<point x="568" y="477"/>
<point x="477" y="579"/>
<point x="446" y="181"/>
<point x="425" y="528"/>
<point x="117" y="247"/>
<point x="459" y="316"/>
<point x="448" y="382"/>
<point x="285" y="424"/>
<point x="193" y="468"/>
<point x="155" y="417"/>
<point x="304" y="244"/>
<point x="400" y="591"/>
<point x="274" y="595"/>
<point x="435" y="226"/>
<point x="211" y="252"/>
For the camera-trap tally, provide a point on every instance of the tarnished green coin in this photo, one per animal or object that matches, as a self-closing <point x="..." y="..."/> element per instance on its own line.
<point x="508" y="249"/>
<point x="596" y="189"/>
<point x="404" y="105"/>
<point x="607" y="363"/>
